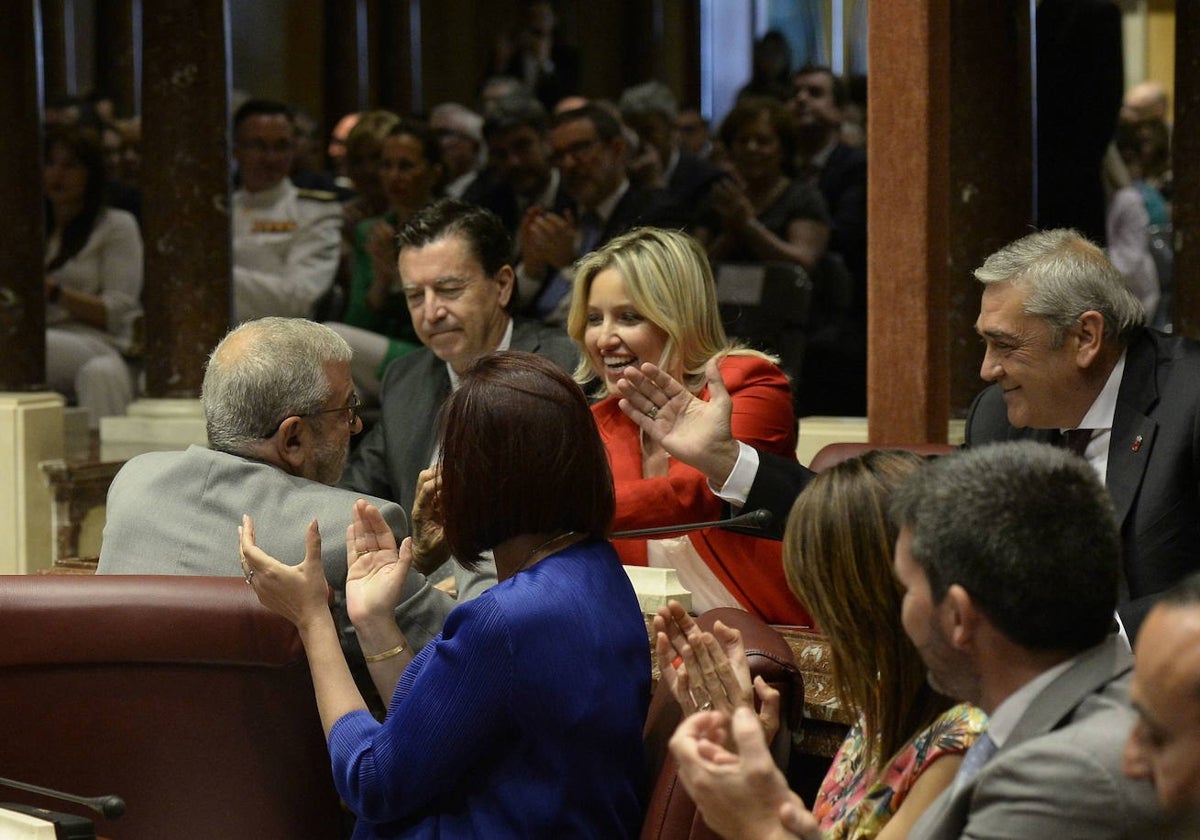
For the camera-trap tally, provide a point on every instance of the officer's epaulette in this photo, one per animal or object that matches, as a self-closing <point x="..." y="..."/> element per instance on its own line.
<point x="317" y="195"/>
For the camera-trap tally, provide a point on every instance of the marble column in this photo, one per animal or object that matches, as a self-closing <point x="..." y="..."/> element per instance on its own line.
<point x="949" y="90"/>
<point x="118" y="53"/>
<point x="185" y="218"/>
<point x="22" y="284"/>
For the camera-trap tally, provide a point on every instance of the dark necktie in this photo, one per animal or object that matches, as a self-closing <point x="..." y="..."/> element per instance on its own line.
<point x="1077" y="440"/>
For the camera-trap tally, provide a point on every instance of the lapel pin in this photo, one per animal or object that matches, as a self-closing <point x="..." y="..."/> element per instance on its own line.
<point x="1137" y="443"/>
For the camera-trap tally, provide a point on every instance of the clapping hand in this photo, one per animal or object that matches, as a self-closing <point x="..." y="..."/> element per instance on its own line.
<point x="298" y="593"/>
<point x="375" y="567"/>
<point x="709" y="671"/>
<point x="725" y="766"/>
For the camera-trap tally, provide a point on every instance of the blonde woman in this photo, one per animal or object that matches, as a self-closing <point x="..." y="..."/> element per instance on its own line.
<point x="649" y="296"/>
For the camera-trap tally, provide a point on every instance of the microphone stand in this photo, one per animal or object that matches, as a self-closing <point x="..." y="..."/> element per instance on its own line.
<point x="760" y="518"/>
<point x="110" y="807"/>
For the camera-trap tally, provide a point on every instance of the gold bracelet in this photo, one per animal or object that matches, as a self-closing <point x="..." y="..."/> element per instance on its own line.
<point x="387" y="654"/>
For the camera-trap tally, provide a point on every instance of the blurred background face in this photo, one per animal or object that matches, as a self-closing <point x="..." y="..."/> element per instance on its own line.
<point x="813" y="102"/>
<point x="65" y="178"/>
<point x="522" y="158"/>
<point x="408" y="178"/>
<point x="757" y="153"/>
<point x="264" y="150"/>
<point x="693" y="132"/>
<point x="591" y="169"/>
<point x="362" y="167"/>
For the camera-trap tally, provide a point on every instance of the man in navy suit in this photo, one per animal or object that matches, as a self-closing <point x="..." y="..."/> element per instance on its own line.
<point x="1067" y="348"/>
<point x="588" y="146"/>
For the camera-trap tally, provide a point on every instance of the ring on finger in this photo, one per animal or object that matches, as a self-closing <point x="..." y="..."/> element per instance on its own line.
<point x="250" y="578"/>
<point x="653" y="412"/>
<point x="706" y="706"/>
<point x="362" y="552"/>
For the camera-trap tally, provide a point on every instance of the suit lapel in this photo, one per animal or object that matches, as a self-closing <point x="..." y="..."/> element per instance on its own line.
<point x="1133" y="432"/>
<point x="1094" y="669"/>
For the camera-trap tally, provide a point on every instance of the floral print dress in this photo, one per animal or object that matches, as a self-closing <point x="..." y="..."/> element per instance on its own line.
<point x="855" y="803"/>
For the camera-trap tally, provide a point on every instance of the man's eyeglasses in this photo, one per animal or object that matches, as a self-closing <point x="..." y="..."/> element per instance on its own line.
<point x="576" y="151"/>
<point x="352" y="406"/>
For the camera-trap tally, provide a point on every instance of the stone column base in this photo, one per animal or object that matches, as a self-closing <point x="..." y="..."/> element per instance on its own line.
<point x="152" y="425"/>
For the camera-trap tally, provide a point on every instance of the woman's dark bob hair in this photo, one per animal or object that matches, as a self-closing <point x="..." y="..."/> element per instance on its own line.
<point x="520" y="455"/>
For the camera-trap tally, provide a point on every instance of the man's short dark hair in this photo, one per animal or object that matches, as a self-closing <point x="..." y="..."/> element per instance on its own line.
<point x="1028" y="531"/>
<point x="603" y="120"/>
<point x="515" y="111"/>
<point x="482" y="229"/>
<point x="520" y="455"/>
<point x="264" y="108"/>
<point x="841" y="93"/>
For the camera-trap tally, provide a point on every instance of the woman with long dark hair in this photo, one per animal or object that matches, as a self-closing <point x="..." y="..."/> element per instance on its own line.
<point x="93" y="278"/>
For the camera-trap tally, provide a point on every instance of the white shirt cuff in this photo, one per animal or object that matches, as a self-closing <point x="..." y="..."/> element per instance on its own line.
<point x="737" y="485"/>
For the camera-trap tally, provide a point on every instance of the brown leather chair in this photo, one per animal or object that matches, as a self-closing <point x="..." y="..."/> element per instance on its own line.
<point x="182" y="695"/>
<point x="835" y="453"/>
<point x="670" y="813"/>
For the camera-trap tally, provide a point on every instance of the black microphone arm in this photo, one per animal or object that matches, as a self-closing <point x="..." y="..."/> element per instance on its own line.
<point x="110" y="807"/>
<point x="760" y="518"/>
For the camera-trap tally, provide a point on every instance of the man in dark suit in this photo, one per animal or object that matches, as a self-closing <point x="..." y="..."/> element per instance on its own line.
<point x="519" y="155"/>
<point x="1067" y="349"/>
<point x="454" y="267"/>
<point x="659" y="162"/>
<point x="589" y="149"/>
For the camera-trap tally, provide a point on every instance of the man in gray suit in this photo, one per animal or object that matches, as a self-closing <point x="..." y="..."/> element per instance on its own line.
<point x="1008" y="555"/>
<point x="1009" y="558"/>
<point x="280" y="410"/>
<point x="454" y="267"/>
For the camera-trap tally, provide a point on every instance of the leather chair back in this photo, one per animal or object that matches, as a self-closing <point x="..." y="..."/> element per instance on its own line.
<point x="835" y="453"/>
<point x="670" y="813"/>
<point x="182" y="695"/>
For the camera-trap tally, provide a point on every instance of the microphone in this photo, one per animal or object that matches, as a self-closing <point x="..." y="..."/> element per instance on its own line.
<point x="759" y="518"/>
<point x="110" y="807"/>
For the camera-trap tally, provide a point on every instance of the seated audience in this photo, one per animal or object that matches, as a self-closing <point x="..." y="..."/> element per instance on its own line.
<point x="648" y="296"/>
<point x="1127" y="225"/>
<point x="460" y="132"/>
<point x="360" y="160"/>
<point x="1164" y="745"/>
<point x="533" y="53"/>
<point x="658" y="160"/>
<point x="909" y="740"/>
<point x="493" y="730"/>
<point x="695" y="136"/>
<point x="1008" y="557"/>
<point x="457" y="281"/>
<point x="377" y="325"/>
<point x="93" y="278"/>
<point x="336" y="150"/>
<point x="519" y="154"/>
<point x="762" y="214"/>
<point x="589" y="148"/>
<point x="280" y="411"/>
<point x="285" y="240"/>
<point x="771" y="68"/>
